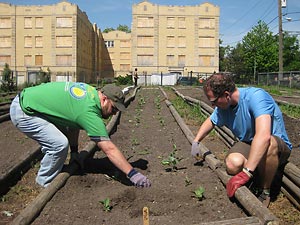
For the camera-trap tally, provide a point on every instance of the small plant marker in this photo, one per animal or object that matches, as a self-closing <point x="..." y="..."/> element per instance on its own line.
<point x="145" y="216"/>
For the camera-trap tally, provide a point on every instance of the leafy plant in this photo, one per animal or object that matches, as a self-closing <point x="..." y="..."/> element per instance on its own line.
<point x="187" y="181"/>
<point x="106" y="205"/>
<point x="172" y="159"/>
<point x="199" y="193"/>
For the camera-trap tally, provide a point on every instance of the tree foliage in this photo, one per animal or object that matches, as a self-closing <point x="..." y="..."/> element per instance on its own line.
<point x="258" y="52"/>
<point x="123" y="28"/>
<point x="7" y="82"/>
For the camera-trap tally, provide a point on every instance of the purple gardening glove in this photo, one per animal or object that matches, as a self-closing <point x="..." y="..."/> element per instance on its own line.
<point x="138" y="179"/>
<point x="196" y="150"/>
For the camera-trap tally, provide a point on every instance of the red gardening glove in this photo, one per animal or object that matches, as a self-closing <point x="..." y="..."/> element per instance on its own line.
<point x="235" y="182"/>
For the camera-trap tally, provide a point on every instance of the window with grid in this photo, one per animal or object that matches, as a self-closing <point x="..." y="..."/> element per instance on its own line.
<point x="64" y="22"/>
<point x="206" y="23"/>
<point x="206" y="60"/>
<point x="145" y="60"/>
<point x="27" y="22"/>
<point x="5" y="59"/>
<point x="124" y="67"/>
<point x="181" y="60"/>
<point x="145" y="22"/>
<point x="181" y="23"/>
<point x="27" y="41"/>
<point x="125" y="44"/>
<point x="64" y="41"/>
<point x="39" y="22"/>
<point x="170" y="60"/>
<point x="27" y="60"/>
<point x="5" y="42"/>
<point x="5" y="22"/>
<point x="38" y="60"/>
<point x="38" y="41"/>
<point x="64" y="60"/>
<point x="170" y="22"/>
<point x="181" y="42"/>
<point x="206" y="42"/>
<point x="170" y="41"/>
<point x="145" y="41"/>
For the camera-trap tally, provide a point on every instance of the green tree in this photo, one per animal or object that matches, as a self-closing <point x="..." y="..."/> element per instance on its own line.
<point x="7" y="79"/>
<point x="223" y="59"/>
<point x="291" y="53"/>
<point x="109" y="29"/>
<point x="124" y="28"/>
<point x="261" y="49"/>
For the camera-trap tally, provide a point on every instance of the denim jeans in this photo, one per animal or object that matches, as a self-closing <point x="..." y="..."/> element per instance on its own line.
<point x="54" y="144"/>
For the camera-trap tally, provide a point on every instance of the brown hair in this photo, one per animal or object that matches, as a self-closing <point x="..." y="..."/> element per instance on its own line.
<point x="219" y="83"/>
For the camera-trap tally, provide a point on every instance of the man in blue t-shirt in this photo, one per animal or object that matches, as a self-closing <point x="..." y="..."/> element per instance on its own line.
<point x="256" y="120"/>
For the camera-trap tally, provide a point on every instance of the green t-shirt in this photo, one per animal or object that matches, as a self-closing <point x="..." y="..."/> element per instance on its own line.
<point x="75" y="105"/>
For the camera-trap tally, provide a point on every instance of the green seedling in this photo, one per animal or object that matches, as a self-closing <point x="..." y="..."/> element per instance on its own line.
<point x="106" y="205"/>
<point x="199" y="193"/>
<point x="187" y="181"/>
<point x="172" y="159"/>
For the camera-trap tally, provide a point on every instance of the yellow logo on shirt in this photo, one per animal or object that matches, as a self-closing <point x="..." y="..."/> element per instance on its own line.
<point x="78" y="91"/>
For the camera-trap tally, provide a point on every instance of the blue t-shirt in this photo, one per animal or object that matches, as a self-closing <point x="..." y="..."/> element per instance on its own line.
<point x="253" y="102"/>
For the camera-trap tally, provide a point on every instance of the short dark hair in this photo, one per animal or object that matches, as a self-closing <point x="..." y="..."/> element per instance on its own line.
<point x="219" y="83"/>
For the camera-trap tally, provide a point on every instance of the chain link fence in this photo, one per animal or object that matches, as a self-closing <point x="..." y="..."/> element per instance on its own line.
<point x="289" y="79"/>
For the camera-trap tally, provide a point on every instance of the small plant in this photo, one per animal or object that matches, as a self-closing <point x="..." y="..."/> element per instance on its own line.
<point x="172" y="159"/>
<point x="106" y="205"/>
<point x="199" y="193"/>
<point x="187" y="181"/>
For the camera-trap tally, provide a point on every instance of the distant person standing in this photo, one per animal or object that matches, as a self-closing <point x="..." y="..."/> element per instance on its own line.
<point x="254" y="117"/>
<point x="53" y="114"/>
<point x="135" y="77"/>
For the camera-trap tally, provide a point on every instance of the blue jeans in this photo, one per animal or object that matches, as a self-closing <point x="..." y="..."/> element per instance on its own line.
<point x="54" y="143"/>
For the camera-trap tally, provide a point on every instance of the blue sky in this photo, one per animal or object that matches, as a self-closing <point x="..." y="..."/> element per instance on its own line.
<point x="236" y="19"/>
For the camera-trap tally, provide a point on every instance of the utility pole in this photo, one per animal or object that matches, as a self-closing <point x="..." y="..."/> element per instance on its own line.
<point x="280" y="47"/>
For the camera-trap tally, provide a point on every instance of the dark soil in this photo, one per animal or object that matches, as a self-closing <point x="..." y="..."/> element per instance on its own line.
<point x="147" y="133"/>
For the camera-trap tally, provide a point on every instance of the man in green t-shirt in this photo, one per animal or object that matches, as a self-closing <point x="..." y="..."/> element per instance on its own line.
<point x="53" y="114"/>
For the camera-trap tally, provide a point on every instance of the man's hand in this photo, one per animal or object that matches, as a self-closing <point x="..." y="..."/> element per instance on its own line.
<point x="75" y="158"/>
<point x="237" y="181"/>
<point x="196" y="150"/>
<point x="138" y="179"/>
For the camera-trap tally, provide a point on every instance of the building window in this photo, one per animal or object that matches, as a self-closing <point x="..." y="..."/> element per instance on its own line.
<point x="145" y="22"/>
<point x="170" y="60"/>
<point x="63" y="41"/>
<point x="64" y="60"/>
<point x="5" y="23"/>
<point x="27" y="60"/>
<point x="38" y="41"/>
<point x="27" y="22"/>
<point x="145" y="41"/>
<point x="145" y="60"/>
<point x="5" y="59"/>
<point x="5" y="42"/>
<point x="145" y="8"/>
<point x="181" y="60"/>
<point x="170" y="41"/>
<point x="64" y="22"/>
<point x="206" y="23"/>
<point x="38" y="60"/>
<point x="170" y="22"/>
<point x="206" y="60"/>
<point x="181" y="23"/>
<point x="109" y="44"/>
<point x="124" y="55"/>
<point x="125" y="44"/>
<point x="39" y="22"/>
<point x="181" y="42"/>
<point x="206" y="42"/>
<point x="28" y="42"/>
<point x="124" y="67"/>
